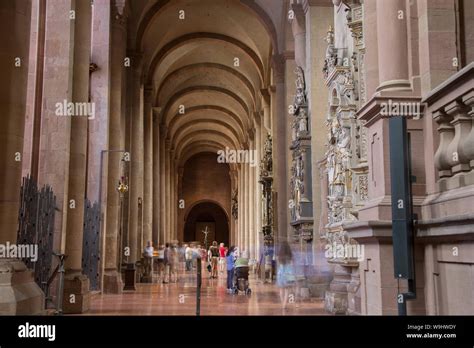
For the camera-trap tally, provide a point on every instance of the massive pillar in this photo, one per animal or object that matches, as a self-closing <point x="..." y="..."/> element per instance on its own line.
<point x="167" y="190"/>
<point x="252" y="204"/>
<point x="76" y="283"/>
<point x="318" y="18"/>
<point x="280" y="135"/>
<point x="241" y="206"/>
<point x="112" y="275"/>
<point x="393" y="49"/>
<point x="162" y="168"/>
<point x="258" y="192"/>
<point x="157" y="239"/>
<point x="246" y="243"/>
<point x="20" y="294"/>
<point x="148" y="168"/>
<point x="394" y="86"/>
<point x="100" y="97"/>
<point x="136" y="179"/>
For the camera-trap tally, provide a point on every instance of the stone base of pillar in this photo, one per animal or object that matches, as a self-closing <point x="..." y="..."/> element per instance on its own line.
<point x="77" y="295"/>
<point x="113" y="283"/>
<point x="353" y="293"/>
<point x="19" y="294"/>
<point x="318" y="284"/>
<point x="336" y="298"/>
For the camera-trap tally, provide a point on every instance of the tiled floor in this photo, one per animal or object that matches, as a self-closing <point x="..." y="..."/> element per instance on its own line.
<point x="180" y="299"/>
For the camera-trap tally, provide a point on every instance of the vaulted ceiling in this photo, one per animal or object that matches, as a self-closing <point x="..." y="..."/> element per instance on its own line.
<point x="212" y="57"/>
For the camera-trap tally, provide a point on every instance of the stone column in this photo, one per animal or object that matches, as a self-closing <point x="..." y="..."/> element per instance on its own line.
<point x="247" y="206"/>
<point x="14" y="51"/>
<point x="258" y="194"/>
<point x="318" y="20"/>
<point x="163" y="237"/>
<point x="167" y="190"/>
<point x="77" y="284"/>
<point x="172" y="196"/>
<point x="112" y="275"/>
<point x="281" y="150"/>
<point x="16" y="279"/>
<point x="136" y="179"/>
<point x="251" y="186"/>
<point x="393" y="48"/>
<point x="240" y="195"/>
<point x="298" y="26"/>
<point x="148" y="167"/>
<point x="156" y="180"/>
<point x="100" y="96"/>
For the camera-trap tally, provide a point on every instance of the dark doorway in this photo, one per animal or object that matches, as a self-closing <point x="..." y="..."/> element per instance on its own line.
<point x="210" y="215"/>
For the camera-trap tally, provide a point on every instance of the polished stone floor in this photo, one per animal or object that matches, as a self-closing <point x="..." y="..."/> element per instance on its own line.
<point x="180" y="299"/>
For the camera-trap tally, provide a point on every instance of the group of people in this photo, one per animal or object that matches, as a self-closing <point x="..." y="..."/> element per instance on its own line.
<point x="219" y="258"/>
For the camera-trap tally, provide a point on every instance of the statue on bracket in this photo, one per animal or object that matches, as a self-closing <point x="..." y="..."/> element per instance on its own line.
<point x="235" y="204"/>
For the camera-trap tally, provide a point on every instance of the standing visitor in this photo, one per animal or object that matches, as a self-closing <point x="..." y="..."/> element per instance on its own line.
<point x="173" y="262"/>
<point x="214" y="258"/>
<point x="188" y="254"/>
<point x="148" y="260"/>
<point x="230" y="269"/>
<point x="161" y="262"/>
<point x="285" y="275"/>
<point x="166" y="278"/>
<point x="222" y="256"/>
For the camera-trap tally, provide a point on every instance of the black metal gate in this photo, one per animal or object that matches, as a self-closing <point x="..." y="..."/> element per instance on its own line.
<point x="91" y="243"/>
<point x="36" y="227"/>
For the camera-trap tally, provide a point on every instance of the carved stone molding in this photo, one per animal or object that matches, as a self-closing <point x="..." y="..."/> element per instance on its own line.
<point x="301" y="205"/>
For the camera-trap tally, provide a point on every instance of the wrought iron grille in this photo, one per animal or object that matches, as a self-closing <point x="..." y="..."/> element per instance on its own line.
<point x="91" y="243"/>
<point x="36" y="227"/>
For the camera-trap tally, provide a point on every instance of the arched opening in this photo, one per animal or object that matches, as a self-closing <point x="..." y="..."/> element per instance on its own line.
<point x="209" y="217"/>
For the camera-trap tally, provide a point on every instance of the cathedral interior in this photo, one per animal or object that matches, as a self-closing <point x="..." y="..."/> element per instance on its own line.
<point x="342" y="129"/>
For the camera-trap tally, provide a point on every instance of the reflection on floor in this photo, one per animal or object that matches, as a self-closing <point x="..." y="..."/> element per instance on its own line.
<point x="180" y="299"/>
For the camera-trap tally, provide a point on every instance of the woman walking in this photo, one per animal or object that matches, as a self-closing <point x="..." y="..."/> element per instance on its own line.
<point x="285" y="275"/>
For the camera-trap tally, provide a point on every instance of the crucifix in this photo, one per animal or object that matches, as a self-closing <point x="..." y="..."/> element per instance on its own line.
<point x="206" y="232"/>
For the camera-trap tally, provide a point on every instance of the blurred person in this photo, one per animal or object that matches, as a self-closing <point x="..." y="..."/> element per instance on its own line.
<point x="285" y="273"/>
<point x="242" y="260"/>
<point x="161" y="261"/>
<point x="222" y="257"/>
<point x="188" y="254"/>
<point x="166" y="258"/>
<point x="214" y="258"/>
<point x="182" y="256"/>
<point x="230" y="268"/>
<point x="148" y="259"/>
<point x="173" y="262"/>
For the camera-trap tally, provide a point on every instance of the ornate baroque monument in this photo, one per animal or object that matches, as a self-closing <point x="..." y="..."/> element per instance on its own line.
<point x="266" y="179"/>
<point x="301" y="205"/>
<point x="346" y="166"/>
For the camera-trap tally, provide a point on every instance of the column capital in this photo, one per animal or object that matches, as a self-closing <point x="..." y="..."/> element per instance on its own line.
<point x="163" y="130"/>
<point x="298" y="21"/>
<point x="148" y="93"/>
<point x="120" y="12"/>
<point x="306" y="4"/>
<point x="136" y="57"/>
<point x="278" y="65"/>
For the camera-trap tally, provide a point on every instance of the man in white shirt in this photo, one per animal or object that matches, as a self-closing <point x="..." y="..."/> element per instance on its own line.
<point x="148" y="259"/>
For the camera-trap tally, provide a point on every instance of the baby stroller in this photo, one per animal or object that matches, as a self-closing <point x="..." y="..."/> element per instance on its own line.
<point x="241" y="280"/>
